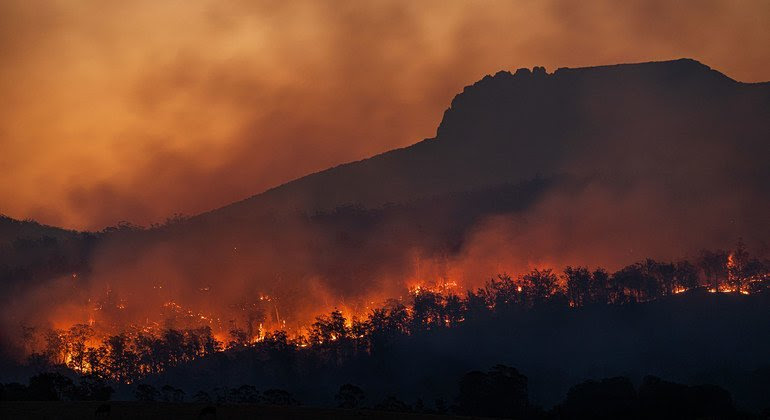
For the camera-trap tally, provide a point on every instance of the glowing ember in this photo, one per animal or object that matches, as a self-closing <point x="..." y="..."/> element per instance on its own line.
<point x="103" y="334"/>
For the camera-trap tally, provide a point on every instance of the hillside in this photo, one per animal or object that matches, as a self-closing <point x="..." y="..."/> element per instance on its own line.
<point x="555" y="347"/>
<point x="508" y="128"/>
<point x="12" y="230"/>
<point x="597" y="166"/>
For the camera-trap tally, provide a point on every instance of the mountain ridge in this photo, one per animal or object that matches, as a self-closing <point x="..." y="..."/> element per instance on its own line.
<point x="676" y="70"/>
<point x="530" y="170"/>
<point x="682" y="71"/>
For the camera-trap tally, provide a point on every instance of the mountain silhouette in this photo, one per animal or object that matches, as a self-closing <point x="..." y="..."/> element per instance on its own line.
<point x="599" y="165"/>
<point x="509" y="127"/>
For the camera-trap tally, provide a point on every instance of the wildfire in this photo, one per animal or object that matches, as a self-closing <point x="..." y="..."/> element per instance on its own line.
<point x="726" y="289"/>
<point x="438" y="287"/>
<point x="100" y="338"/>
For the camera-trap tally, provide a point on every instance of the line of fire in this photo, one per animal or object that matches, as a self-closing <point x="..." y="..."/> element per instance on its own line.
<point x="126" y="352"/>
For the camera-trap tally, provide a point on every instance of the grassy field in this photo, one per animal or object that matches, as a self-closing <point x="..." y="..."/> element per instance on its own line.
<point x="144" y="411"/>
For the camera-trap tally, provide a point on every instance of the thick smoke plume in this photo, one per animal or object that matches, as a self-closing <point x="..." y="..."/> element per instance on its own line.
<point x="142" y="124"/>
<point x="134" y="111"/>
<point x="600" y="167"/>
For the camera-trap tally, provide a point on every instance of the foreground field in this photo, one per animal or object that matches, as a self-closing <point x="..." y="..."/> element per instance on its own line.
<point x="137" y="410"/>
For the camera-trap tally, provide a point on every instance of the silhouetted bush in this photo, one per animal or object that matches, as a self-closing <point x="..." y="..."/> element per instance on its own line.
<point x="245" y="394"/>
<point x="606" y="399"/>
<point x="92" y="388"/>
<point x="170" y="394"/>
<point x="146" y="393"/>
<point x="201" y="397"/>
<point x="501" y="392"/>
<point x="50" y="386"/>
<point x="663" y="399"/>
<point x="53" y="386"/>
<point x="278" y="397"/>
<point x="14" y="391"/>
<point x="391" y="403"/>
<point x="349" y="396"/>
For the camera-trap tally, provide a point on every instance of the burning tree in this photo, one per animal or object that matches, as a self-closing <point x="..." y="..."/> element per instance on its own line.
<point x="714" y="266"/>
<point x="127" y="355"/>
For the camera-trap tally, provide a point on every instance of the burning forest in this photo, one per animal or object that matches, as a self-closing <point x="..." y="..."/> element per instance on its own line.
<point x="564" y="236"/>
<point x="114" y="348"/>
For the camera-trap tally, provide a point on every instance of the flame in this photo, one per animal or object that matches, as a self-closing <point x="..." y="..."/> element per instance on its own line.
<point x="255" y="318"/>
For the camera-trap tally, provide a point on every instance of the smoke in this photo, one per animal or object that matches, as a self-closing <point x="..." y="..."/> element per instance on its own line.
<point x="155" y="108"/>
<point x="597" y="226"/>
<point x="134" y="111"/>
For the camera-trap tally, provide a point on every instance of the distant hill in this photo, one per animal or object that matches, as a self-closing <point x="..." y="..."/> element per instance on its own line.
<point x="626" y="161"/>
<point x="636" y="145"/>
<point x="12" y="229"/>
<point x="32" y="253"/>
<point x="599" y="166"/>
<point x="508" y="128"/>
<point x="694" y="337"/>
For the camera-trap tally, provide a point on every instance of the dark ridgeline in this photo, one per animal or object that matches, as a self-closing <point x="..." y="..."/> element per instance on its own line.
<point x="509" y="128"/>
<point x="677" y="151"/>
<point x="678" y="128"/>
<point x="690" y="134"/>
<point x="390" y="362"/>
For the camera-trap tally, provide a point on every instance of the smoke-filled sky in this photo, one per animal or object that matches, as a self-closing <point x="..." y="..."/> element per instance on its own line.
<point x="137" y="110"/>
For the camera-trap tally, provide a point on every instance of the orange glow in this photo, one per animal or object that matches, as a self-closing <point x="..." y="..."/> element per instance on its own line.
<point x="125" y="123"/>
<point x="85" y="332"/>
<point x="256" y="94"/>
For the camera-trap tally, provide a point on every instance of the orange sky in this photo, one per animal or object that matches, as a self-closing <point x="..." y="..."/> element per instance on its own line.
<point x="115" y="110"/>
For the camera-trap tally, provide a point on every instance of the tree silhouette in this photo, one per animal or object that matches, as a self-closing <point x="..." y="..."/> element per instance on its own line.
<point x="328" y="329"/>
<point x="454" y="309"/>
<point x="714" y="266"/>
<point x="601" y="289"/>
<point x="146" y="393"/>
<point x="50" y="386"/>
<point x="391" y="403"/>
<point x="245" y="394"/>
<point x="664" y="275"/>
<point x="578" y="286"/>
<point x="278" y="397"/>
<point x="202" y="397"/>
<point x="92" y="388"/>
<point x="349" y="396"/>
<point x="685" y="275"/>
<point x="427" y="310"/>
<point x="663" y="399"/>
<point x="637" y="282"/>
<point x="56" y="346"/>
<point x="15" y="391"/>
<point x="360" y="331"/>
<point x="277" y="341"/>
<point x="239" y="338"/>
<point x="120" y="358"/>
<point x="539" y="285"/>
<point x="76" y="338"/>
<point x="476" y="306"/>
<point x="501" y="392"/>
<point x="503" y="292"/>
<point x="170" y="394"/>
<point x="610" y="398"/>
<point x="174" y="346"/>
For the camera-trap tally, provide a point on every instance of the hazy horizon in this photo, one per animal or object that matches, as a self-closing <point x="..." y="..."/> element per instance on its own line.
<point x="139" y="111"/>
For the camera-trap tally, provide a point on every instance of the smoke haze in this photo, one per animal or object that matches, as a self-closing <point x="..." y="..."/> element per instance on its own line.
<point x="134" y="111"/>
